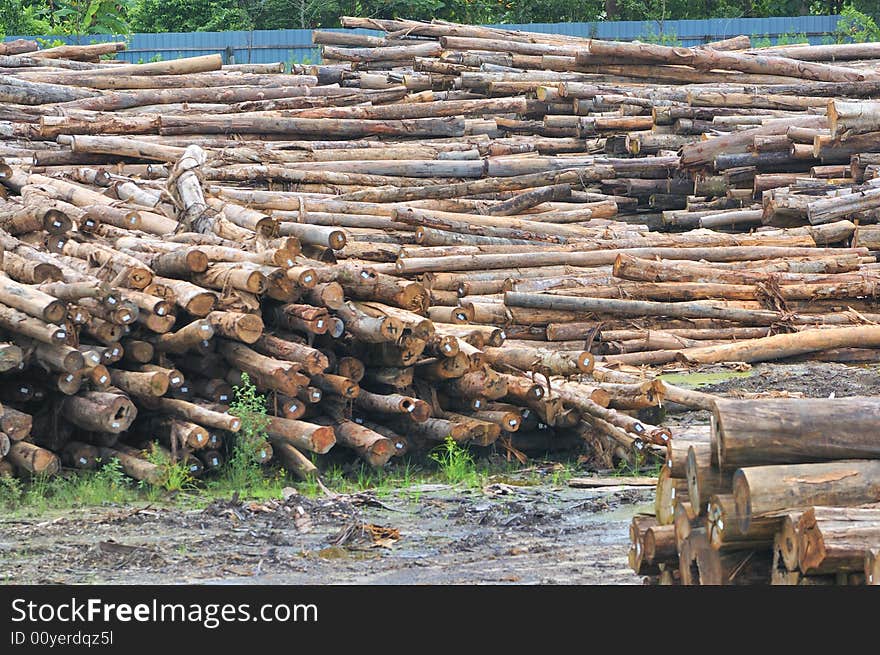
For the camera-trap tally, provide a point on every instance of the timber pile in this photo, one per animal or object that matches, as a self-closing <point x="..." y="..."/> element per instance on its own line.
<point x="781" y="491"/>
<point x="446" y="230"/>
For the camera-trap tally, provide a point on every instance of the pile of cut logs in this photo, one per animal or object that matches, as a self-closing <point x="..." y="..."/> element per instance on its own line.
<point x="445" y="230"/>
<point x="782" y="491"/>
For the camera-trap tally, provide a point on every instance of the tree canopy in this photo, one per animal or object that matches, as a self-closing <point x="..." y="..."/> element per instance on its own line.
<point x="122" y="16"/>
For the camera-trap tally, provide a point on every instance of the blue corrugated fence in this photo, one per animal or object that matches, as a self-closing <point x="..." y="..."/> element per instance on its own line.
<point x="267" y="46"/>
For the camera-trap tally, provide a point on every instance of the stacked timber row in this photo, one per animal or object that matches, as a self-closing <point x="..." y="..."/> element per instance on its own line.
<point x="443" y="231"/>
<point x="144" y="277"/>
<point x="781" y="491"/>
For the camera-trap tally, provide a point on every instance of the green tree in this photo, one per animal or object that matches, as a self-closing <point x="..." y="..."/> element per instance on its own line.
<point x="22" y="18"/>
<point x="71" y="17"/>
<point x="81" y="17"/>
<point x="188" y="16"/>
<point x="856" y="27"/>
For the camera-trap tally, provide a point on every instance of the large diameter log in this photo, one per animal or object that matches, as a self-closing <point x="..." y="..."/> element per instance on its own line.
<point x="723" y="529"/>
<point x="15" y="424"/>
<point x="337" y="384"/>
<point x="76" y="454"/>
<point x="704" y="480"/>
<point x="295" y="461"/>
<point x="718" y="253"/>
<point x="658" y="544"/>
<point x="785" y="345"/>
<point x="99" y="411"/>
<point x="834" y="539"/>
<point x="795" y="430"/>
<point x="554" y="362"/>
<point x="393" y="376"/>
<point x="847" y="118"/>
<point x="89" y="52"/>
<point x="416" y="409"/>
<point x="20" y="323"/>
<point x="637" y="308"/>
<point x="151" y="383"/>
<point x="708" y="59"/>
<point x="304" y="318"/>
<point x="373" y="447"/>
<point x="300" y="434"/>
<point x="37" y="272"/>
<point x="185" y="338"/>
<point x="312" y="360"/>
<point x="194" y="299"/>
<point x="16" y="90"/>
<point x="826" y="51"/>
<point x="177" y="434"/>
<point x="246" y="328"/>
<point x="346" y="128"/>
<point x="271" y="373"/>
<point x="154" y="98"/>
<point x="33" y="459"/>
<point x="18" y="46"/>
<point x="183" y="66"/>
<point x="370" y="329"/>
<point x="746" y="567"/>
<point x="179" y="263"/>
<point x="762" y="489"/>
<point x="122" y="146"/>
<point x="60" y="357"/>
<point x="483" y="383"/>
<point x="134" y="466"/>
<point x="198" y="414"/>
<point x="634" y="268"/>
<point x="385" y="53"/>
<point x="434" y="429"/>
<point x="826" y="210"/>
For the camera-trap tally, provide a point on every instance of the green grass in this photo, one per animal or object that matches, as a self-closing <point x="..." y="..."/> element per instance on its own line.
<point x="244" y="475"/>
<point x="561" y="476"/>
<point x="402" y="478"/>
<point x="175" y="475"/>
<point x="456" y="464"/>
<point x="640" y="466"/>
<point x="107" y="486"/>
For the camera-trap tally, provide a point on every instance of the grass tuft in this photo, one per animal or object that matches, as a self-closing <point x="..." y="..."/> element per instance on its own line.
<point x="456" y="463"/>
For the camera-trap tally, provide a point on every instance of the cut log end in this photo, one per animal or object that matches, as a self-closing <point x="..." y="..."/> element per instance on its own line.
<point x="742" y="501"/>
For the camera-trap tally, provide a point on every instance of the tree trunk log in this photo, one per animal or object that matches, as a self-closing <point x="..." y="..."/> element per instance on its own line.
<point x="762" y="489"/>
<point x="794" y="430"/>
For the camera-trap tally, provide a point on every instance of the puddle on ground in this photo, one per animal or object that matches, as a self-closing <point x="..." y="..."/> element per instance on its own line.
<point x="695" y="380"/>
<point x="338" y="552"/>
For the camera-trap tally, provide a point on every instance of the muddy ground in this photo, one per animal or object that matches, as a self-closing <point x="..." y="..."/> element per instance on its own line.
<point x="504" y="532"/>
<point x="429" y="534"/>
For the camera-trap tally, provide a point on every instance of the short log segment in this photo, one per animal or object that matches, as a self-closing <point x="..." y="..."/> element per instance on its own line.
<point x="762" y="489"/>
<point x="794" y="430"/>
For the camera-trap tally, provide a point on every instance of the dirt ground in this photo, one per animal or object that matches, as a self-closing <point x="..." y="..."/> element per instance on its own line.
<point x="432" y="534"/>
<point x="503" y="533"/>
<point x="812" y="380"/>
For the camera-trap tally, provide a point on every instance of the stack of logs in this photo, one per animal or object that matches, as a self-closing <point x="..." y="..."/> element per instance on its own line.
<point x="782" y="491"/>
<point x="362" y="236"/>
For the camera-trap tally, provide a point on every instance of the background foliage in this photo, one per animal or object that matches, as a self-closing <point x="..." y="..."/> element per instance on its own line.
<point x="127" y="16"/>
